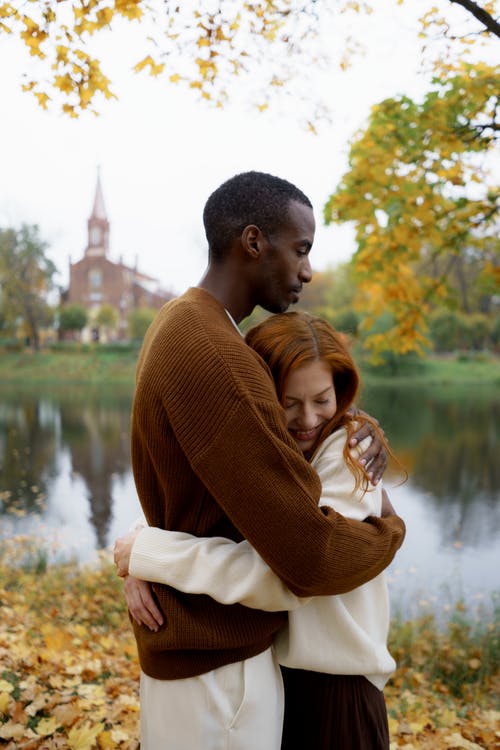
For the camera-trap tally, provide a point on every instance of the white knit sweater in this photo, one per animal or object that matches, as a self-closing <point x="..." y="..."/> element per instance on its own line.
<point x="344" y="634"/>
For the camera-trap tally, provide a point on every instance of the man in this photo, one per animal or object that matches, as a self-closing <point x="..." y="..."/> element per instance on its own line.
<point x="212" y="456"/>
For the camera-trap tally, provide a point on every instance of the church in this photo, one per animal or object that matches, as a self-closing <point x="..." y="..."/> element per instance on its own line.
<point x="96" y="280"/>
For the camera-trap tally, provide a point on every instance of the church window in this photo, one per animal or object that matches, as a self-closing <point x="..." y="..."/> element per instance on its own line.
<point x="95" y="235"/>
<point x="95" y="278"/>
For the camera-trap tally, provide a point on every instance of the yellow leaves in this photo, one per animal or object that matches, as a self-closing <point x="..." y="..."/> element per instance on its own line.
<point x="154" y="68"/>
<point x="104" y="16"/>
<point x="458" y="742"/>
<point x="59" y="693"/>
<point x="64" y="83"/>
<point x="11" y="731"/>
<point x="33" y="36"/>
<point x="84" y="738"/>
<point x="4" y="702"/>
<point x="46" y="726"/>
<point x="56" y="640"/>
<point x="130" y="9"/>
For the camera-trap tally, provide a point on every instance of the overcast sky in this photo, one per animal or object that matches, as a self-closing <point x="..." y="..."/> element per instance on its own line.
<point x="161" y="153"/>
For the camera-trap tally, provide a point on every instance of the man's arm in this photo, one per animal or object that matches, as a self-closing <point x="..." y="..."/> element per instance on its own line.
<point x="230" y="572"/>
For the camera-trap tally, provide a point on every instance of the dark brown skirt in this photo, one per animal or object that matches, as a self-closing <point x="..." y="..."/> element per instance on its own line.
<point x="333" y="712"/>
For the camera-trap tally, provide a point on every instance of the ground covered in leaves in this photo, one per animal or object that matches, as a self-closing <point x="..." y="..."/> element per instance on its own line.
<point x="69" y="670"/>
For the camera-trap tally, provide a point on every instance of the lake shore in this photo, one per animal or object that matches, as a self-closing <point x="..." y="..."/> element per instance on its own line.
<point x="116" y="366"/>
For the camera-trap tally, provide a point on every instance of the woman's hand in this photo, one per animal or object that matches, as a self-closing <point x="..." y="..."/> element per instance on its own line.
<point x="141" y="603"/>
<point x="122" y="551"/>
<point x="374" y="459"/>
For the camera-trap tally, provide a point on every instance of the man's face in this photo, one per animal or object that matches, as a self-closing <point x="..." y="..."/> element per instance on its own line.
<point x="285" y="261"/>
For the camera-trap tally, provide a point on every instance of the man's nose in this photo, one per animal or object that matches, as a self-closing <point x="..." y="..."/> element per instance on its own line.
<point x="305" y="271"/>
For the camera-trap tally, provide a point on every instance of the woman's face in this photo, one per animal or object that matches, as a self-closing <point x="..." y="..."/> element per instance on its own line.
<point x="310" y="402"/>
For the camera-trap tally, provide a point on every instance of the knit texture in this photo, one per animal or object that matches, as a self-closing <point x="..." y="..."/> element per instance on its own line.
<point x="211" y="456"/>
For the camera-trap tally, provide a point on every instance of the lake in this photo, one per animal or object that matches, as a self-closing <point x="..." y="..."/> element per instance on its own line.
<point x="65" y="477"/>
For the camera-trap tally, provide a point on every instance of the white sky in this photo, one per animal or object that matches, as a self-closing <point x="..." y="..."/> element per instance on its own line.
<point x="161" y="153"/>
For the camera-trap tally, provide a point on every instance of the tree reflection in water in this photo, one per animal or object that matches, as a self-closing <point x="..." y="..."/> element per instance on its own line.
<point x="36" y="430"/>
<point x="448" y="439"/>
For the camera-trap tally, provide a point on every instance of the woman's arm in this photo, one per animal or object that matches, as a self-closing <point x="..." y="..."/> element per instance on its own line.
<point x="227" y="571"/>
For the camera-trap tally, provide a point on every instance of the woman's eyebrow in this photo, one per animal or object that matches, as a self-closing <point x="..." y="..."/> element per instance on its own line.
<point x="321" y="393"/>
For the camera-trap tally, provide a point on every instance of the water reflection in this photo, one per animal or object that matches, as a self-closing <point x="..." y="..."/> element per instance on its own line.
<point x="65" y="471"/>
<point x="449" y="442"/>
<point x="96" y="434"/>
<point x="78" y="434"/>
<point x="29" y="431"/>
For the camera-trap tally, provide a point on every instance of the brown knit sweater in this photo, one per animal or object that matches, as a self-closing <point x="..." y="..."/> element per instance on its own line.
<point x="212" y="456"/>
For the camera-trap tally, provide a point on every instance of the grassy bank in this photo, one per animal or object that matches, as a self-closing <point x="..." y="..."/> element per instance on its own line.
<point x="69" y="674"/>
<point x="116" y="365"/>
<point x="92" y="364"/>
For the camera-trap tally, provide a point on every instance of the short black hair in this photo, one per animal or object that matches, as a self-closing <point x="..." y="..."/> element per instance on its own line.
<point x="247" y="198"/>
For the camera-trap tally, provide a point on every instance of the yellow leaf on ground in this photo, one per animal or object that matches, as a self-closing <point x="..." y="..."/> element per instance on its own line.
<point x="11" y="731"/>
<point x="6" y="687"/>
<point x="447" y="718"/>
<point x="393" y="725"/>
<point x="4" y="702"/>
<point x="66" y="714"/>
<point x="457" y="741"/>
<point x="84" y="738"/>
<point x="106" y="741"/>
<point x="46" y="726"/>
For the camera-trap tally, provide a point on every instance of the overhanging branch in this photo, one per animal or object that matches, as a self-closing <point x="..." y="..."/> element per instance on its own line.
<point x="481" y="14"/>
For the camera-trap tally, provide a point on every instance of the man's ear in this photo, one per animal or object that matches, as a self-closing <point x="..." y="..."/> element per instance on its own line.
<point x="252" y="240"/>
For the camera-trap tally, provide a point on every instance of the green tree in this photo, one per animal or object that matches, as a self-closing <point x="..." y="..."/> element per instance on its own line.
<point x="419" y="194"/>
<point x="72" y="318"/>
<point x="139" y="321"/>
<point x="478" y="331"/>
<point x="447" y="329"/>
<point x="26" y="278"/>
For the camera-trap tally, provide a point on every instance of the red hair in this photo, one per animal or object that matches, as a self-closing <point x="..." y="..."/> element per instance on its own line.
<point x="288" y="341"/>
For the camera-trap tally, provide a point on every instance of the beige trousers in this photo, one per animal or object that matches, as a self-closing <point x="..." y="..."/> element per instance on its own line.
<point x="235" y="707"/>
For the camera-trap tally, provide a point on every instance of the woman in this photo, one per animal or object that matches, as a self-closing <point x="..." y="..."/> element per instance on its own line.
<point x="333" y="651"/>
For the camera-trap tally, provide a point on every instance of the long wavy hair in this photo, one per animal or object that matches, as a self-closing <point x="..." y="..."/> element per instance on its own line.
<point x="288" y="341"/>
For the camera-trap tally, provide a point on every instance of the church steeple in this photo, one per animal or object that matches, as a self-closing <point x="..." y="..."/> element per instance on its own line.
<point x="98" y="224"/>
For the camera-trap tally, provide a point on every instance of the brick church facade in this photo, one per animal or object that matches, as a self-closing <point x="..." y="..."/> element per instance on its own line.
<point x="96" y="280"/>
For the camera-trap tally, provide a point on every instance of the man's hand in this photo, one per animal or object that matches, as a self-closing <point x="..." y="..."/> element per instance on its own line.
<point x="141" y="603"/>
<point x="374" y="459"/>
<point x="122" y="550"/>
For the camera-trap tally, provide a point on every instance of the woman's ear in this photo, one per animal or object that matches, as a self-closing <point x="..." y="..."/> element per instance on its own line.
<point x="252" y="240"/>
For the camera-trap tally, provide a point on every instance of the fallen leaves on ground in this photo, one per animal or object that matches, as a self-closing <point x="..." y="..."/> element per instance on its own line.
<point x="69" y="674"/>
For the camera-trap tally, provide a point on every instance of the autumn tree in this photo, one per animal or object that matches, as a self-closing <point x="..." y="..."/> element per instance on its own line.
<point x="422" y="201"/>
<point x="106" y="318"/>
<point x="212" y="48"/>
<point x="26" y="278"/>
<point x="330" y="294"/>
